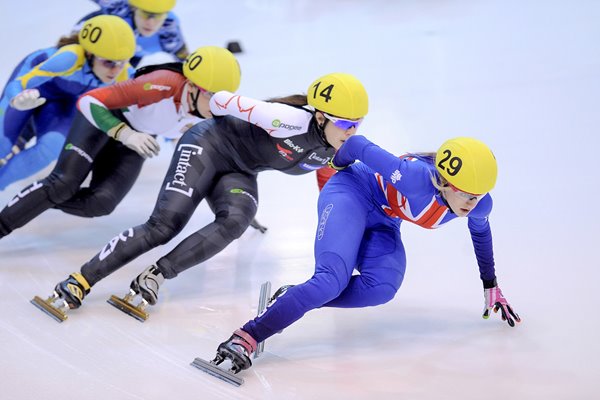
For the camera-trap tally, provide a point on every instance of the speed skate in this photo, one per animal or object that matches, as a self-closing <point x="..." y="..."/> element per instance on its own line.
<point x="237" y="364"/>
<point x="49" y="306"/>
<point x="126" y="305"/>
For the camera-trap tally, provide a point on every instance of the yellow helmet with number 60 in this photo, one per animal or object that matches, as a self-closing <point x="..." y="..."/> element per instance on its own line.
<point x="213" y="68"/>
<point x="108" y="36"/>
<point x="153" y="6"/>
<point x="467" y="164"/>
<point x="340" y="95"/>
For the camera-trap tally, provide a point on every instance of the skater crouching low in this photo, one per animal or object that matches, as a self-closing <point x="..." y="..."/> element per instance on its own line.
<point x="360" y="212"/>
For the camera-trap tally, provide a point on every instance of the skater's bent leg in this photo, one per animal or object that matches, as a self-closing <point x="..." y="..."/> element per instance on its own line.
<point x="116" y="168"/>
<point x="325" y="285"/>
<point x="234" y="202"/>
<point x="33" y="159"/>
<point x="130" y="244"/>
<point x="381" y="263"/>
<point x="62" y="183"/>
<point x="173" y="209"/>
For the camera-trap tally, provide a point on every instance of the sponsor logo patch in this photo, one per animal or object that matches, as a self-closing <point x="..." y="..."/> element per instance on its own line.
<point x="160" y="88"/>
<point x="278" y="124"/>
<point x="72" y="147"/>
<point x="178" y="183"/>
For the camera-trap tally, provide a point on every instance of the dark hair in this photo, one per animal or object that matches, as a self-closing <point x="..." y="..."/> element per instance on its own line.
<point x="67" y="40"/>
<point x="296" y="100"/>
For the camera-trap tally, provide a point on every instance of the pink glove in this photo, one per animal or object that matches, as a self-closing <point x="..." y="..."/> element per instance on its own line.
<point x="495" y="300"/>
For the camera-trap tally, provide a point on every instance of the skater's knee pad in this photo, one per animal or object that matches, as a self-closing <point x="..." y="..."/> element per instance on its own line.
<point x="381" y="294"/>
<point x="100" y="203"/>
<point x="320" y="289"/>
<point x="234" y="225"/>
<point x="160" y="232"/>
<point x="60" y="187"/>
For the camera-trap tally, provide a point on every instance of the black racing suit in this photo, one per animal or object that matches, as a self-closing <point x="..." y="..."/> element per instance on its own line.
<point x="114" y="168"/>
<point x="217" y="159"/>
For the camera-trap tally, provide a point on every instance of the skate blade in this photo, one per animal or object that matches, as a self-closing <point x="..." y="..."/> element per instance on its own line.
<point x="263" y="298"/>
<point x="217" y="372"/>
<point x="128" y="308"/>
<point x="47" y="307"/>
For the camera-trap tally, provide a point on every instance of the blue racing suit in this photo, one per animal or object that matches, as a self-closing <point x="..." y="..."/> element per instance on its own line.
<point x="60" y="75"/>
<point x="360" y="212"/>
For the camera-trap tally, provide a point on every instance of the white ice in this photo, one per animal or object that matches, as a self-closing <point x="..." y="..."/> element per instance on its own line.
<point x="522" y="75"/>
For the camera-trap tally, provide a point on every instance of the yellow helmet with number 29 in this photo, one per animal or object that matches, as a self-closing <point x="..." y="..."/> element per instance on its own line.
<point x="340" y="95"/>
<point x="467" y="164"/>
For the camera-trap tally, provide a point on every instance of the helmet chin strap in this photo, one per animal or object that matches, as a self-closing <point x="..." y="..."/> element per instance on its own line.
<point x="195" y="111"/>
<point x="321" y="130"/>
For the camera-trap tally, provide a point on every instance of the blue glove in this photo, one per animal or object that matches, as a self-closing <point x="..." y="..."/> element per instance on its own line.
<point x="348" y="152"/>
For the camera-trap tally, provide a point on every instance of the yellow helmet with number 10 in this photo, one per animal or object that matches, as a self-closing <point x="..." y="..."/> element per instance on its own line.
<point x="213" y="68"/>
<point x="340" y="95"/>
<point x="467" y="164"/>
<point x="108" y="36"/>
<point x="153" y="6"/>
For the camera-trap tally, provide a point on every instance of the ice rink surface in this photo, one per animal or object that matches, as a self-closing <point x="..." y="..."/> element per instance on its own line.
<point x="521" y="75"/>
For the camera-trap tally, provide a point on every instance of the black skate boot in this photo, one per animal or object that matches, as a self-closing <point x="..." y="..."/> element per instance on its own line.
<point x="238" y="349"/>
<point x="70" y="293"/>
<point x="72" y="290"/>
<point x="146" y="286"/>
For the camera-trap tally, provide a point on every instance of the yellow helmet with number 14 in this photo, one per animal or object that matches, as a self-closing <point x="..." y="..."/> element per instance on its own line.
<point x="340" y="95"/>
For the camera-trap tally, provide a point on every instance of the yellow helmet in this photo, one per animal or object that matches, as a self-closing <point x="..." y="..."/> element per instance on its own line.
<point x="467" y="164"/>
<point x="153" y="6"/>
<point x="341" y="95"/>
<point x="108" y="36"/>
<point x="213" y="68"/>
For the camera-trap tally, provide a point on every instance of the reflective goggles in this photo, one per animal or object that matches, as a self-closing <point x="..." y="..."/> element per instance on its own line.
<point x="110" y="64"/>
<point x="465" y="195"/>
<point x="342" y="123"/>
<point x="148" y="15"/>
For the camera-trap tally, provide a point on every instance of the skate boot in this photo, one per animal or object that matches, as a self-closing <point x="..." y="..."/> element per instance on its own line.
<point x="147" y="283"/>
<point x="68" y="293"/>
<point x="146" y="286"/>
<point x="237" y="349"/>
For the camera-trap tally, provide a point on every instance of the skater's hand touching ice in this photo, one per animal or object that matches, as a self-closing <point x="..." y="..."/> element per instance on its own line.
<point x="27" y="100"/>
<point x="142" y="143"/>
<point x="494" y="300"/>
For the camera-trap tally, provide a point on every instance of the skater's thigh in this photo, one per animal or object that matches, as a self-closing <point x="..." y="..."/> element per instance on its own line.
<point x="234" y="193"/>
<point x="115" y="170"/>
<point x="343" y="214"/>
<point x="189" y="179"/>
<point x="382" y="258"/>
